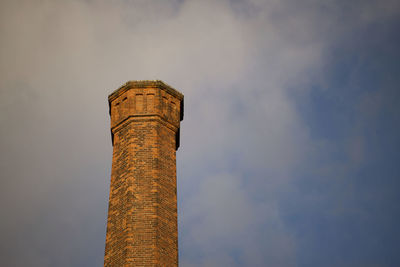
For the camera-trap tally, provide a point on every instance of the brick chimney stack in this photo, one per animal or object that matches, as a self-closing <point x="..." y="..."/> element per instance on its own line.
<point x="142" y="227"/>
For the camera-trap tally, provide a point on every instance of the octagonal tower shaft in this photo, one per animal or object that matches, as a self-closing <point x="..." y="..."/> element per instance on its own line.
<point x="142" y="228"/>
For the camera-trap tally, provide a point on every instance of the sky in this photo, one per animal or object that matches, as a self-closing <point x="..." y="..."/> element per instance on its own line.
<point x="289" y="150"/>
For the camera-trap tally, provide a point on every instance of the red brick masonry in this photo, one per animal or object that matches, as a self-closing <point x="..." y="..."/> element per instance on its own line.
<point x="142" y="227"/>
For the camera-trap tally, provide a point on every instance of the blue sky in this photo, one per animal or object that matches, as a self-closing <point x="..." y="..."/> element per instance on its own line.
<point x="289" y="145"/>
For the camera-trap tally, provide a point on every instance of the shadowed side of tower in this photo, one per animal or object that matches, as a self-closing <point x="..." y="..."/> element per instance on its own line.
<point x="142" y="228"/>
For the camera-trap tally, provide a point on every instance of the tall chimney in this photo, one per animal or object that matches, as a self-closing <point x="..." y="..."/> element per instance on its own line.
<point x="142" y="227"/>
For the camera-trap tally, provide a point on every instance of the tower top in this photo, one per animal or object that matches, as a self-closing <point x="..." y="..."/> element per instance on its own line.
<point x="147" y="84"/>
<point x="146" y="100"/>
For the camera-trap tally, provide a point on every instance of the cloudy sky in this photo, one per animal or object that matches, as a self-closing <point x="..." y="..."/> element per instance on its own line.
<point x="289" y="147"/>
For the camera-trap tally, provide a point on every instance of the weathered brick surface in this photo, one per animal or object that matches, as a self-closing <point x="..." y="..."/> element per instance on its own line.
<point x="142" y="214"/>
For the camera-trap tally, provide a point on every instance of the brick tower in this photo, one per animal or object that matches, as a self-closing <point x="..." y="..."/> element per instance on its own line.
<point x="142" y="228"/>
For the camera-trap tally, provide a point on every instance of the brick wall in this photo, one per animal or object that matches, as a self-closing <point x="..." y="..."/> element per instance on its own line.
<point x="142" y="214"/>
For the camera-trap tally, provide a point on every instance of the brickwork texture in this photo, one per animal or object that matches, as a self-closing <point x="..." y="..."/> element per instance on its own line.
<point x="142" y="227"/>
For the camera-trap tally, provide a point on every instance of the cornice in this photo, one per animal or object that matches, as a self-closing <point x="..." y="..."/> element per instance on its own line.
<point x="147" y="84"/>
<point x="147" y="117"/>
